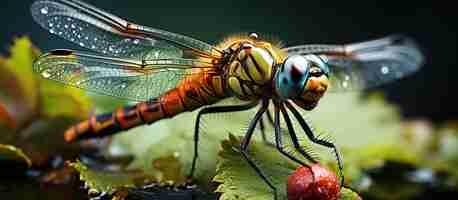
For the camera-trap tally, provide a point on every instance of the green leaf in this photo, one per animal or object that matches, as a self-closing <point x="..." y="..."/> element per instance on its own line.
<point x="58" y="100"/>
<point x="19" y="94"/>
<point x="348" y="194"/>
<point x="239" y="180"/>
<point x="36" y="111"/>
<point x="109" y="181"/>
<point x="25" y="89"/>
<point x="22" y="55"/>
<point x="12" y="158"/>
<point x="175" y="137"/>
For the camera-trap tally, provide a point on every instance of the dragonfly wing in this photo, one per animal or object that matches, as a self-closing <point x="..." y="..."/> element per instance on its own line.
<point x="92" y="28"/>
<point x="120" y="77"/>
<point x="367" y="64"/>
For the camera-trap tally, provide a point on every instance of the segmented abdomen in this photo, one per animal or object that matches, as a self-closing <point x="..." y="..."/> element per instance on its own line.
<point x="190" y="94"/>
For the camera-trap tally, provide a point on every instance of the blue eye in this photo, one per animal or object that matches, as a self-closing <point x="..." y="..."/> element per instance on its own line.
<point x="292" y="76"/>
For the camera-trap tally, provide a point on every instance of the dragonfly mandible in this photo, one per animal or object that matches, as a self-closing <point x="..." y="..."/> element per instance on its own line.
<point x="169" y="73"/>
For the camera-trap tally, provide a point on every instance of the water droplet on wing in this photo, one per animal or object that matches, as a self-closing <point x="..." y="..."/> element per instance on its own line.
<point x="385" y="70"/>
<point x="44" y="10"/>
<point x="45" y="74"/>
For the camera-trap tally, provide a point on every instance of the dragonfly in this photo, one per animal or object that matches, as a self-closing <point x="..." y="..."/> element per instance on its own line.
<point x="168" y="73"/>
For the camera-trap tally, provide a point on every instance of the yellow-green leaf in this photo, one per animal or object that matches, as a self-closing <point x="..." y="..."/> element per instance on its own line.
<point x="109" y="181"/>
<point x="19" y="93"/>
<point x="58" y="100"/>
<point x="347" y="194"/>
<point x="22" y="55"/>
<point x="13" y="156"/>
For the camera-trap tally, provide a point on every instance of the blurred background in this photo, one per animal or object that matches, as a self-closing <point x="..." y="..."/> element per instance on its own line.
<point x="426" y="94"/>
<point x="372" y="134"/>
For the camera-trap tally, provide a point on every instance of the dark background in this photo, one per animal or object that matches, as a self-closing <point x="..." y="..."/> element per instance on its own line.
<point x="429" y="93"/>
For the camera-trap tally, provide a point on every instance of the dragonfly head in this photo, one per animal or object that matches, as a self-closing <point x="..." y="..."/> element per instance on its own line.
<point x="303" y="79"/>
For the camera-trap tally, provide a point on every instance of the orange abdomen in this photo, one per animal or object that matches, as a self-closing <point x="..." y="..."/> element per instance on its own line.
<point x="192" y="93"/>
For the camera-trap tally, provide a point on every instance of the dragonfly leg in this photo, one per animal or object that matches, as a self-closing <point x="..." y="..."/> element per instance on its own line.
<point x="293" y="136"/>
<point x="308" y="131"/>
<point x="246" y="142"/>
<point x="279" y="139"/>
<point x="210" y="110"/>
<point x="262" y="127"/>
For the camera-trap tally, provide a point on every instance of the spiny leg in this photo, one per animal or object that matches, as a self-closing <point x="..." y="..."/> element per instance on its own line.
<point x="246" y="141"/>
<point x="308" y="131"/>
<point x="262" y="127"/>
<point x="269" y="117"/>
<point x="210" y="110"/>
<point x="279" y="137"/>
<point x="293" y="136"/>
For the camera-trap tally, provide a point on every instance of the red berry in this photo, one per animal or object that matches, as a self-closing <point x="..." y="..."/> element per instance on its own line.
<point x="322" y="185"/>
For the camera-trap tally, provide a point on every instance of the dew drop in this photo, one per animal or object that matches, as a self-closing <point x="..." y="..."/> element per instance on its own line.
<point x="44" y="10"/>
<point x="73" y="25"/>
<point x="51" y="24"/>
<point x="123" y="85"/>
<point x="45" y="74"/>
<point x="385" y="70"/>
<point x="52" y="31"/>
<point x="66" y="26"/>
<point x="86" y="38"/>
<point x="136" y="41"/>
<point x="95" y="39"/>
<point x="345" y="84"/>
<point x="93" y="47"/>
<point x="81" y="44"/>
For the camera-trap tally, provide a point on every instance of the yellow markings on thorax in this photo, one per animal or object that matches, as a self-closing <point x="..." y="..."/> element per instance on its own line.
<point x="252" y="66"/>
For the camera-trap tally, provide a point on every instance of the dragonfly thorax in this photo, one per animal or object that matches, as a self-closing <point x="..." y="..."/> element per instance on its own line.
<point x="250" y="69"/>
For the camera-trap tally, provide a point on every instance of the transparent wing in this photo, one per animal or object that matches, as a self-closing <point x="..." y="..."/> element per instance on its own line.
<point x="120" y="77"/>
<point x="108" y="34"/>
<point x="367" y="64"/>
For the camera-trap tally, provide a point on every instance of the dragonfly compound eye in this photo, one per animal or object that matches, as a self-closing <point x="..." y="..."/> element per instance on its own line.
<point x="292" y="76"/>
<point x="304" y="79"/>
